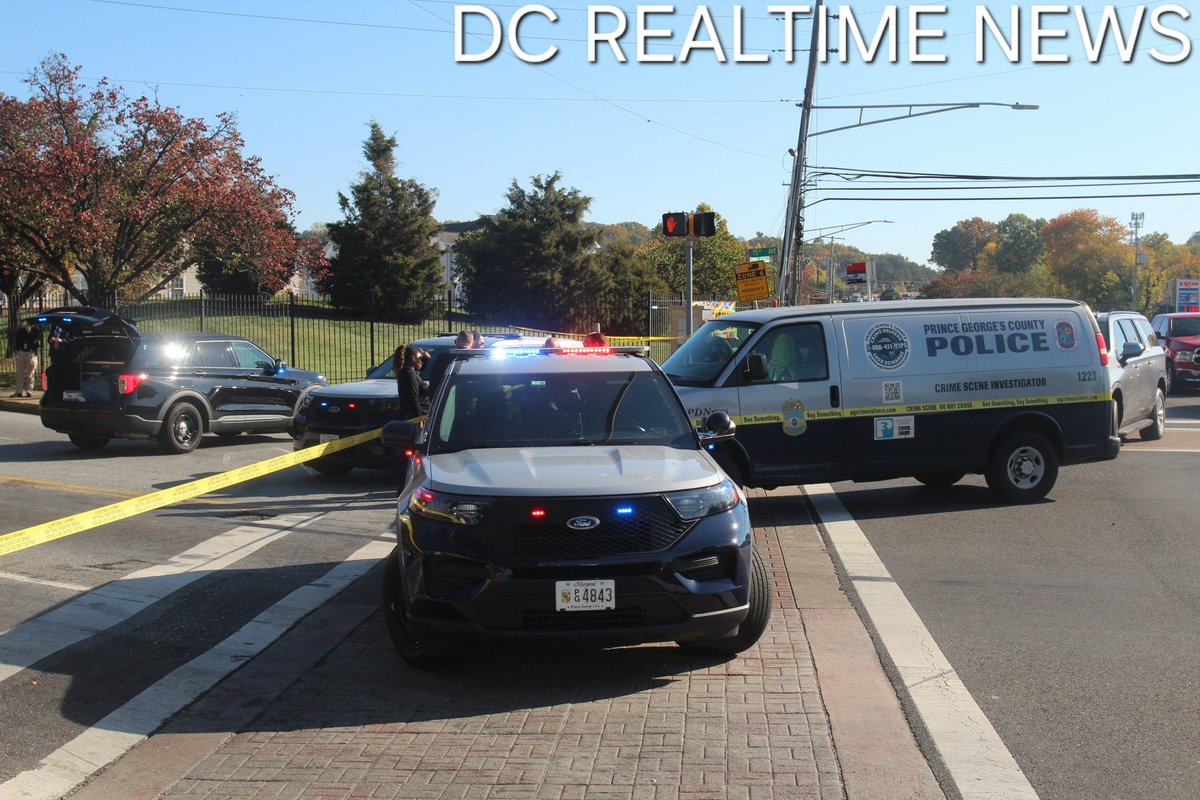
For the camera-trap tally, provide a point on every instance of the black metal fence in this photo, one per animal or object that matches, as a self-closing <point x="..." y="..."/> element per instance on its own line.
<point x="310" y="333"/>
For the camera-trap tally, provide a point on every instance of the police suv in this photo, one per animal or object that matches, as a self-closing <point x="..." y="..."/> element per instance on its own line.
<point x="932" y="389"/>
<point x="563" y="493"/>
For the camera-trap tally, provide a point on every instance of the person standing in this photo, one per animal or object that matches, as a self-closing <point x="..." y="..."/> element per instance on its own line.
<point x="28" y="344"/>
<point x="408" y="382"/>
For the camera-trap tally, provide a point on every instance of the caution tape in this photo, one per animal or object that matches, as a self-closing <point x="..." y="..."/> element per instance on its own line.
<point x="535" y="332"/>
<point x="919" y="408"/>
<point x="68" y="526"/>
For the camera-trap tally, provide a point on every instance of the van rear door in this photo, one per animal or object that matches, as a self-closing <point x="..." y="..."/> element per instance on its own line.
<point x="790" y="422"/>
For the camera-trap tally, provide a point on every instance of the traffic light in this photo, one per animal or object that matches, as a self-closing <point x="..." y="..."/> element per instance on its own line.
<point x="704" y="223"/>
<point x="676" y="224"/>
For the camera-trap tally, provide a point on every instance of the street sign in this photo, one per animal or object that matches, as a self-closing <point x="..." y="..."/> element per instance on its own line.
<point x="754" y="252"/>
<point x="751" y="281"/>
<point x="759" y="258"/>
<point x="855" y="280"/>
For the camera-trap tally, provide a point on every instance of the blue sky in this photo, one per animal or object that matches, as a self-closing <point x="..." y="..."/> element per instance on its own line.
<point x="305" y="77"/>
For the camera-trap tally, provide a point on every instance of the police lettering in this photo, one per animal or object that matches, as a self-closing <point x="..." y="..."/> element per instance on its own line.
<point x="987" y="345"/>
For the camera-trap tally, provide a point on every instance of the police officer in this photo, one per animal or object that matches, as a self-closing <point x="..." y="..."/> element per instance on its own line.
<point x="28" y="344"/>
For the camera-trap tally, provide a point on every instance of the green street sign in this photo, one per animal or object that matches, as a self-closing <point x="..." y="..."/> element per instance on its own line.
<point x="759" y="258"/>
<point x="762" y="251"/>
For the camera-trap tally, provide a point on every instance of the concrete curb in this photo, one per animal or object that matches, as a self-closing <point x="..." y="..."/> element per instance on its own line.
<point x="21" y="405"/>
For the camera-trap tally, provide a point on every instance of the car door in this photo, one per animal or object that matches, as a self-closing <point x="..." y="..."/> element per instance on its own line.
<point x="260" y="388"/>
<point x="789" y="421"/>
<point x="214" y="374"/>
<point x="1138" y="377"/>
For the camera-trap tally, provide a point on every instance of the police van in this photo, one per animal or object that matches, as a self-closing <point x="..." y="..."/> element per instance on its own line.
<point x="929" y="389"/>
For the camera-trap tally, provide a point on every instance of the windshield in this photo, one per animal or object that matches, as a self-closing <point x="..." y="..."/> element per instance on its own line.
<point x="384" y="370"/>
<point x="701" y="358"/>
<point x="542" y="410"/>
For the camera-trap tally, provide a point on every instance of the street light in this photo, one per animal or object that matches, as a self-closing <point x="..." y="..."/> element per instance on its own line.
<point x="793" y="231"/>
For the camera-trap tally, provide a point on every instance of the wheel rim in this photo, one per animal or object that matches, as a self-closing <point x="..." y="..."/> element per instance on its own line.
<point x="1160" y="411"/>
<point x="1026" y="467"/>
<point x="186" y="429"/>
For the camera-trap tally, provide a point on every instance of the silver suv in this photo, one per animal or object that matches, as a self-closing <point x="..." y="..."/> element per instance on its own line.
<point x="563" y="493"/>
<point x="1137" y="366"/>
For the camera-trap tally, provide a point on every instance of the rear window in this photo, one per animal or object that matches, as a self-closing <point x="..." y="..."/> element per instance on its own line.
<point x="1186" y="326"/>
<point x="101" y="352"/>
<point x="384" y="370"/>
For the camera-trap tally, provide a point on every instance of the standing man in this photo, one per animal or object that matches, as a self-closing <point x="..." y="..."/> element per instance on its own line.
<point x="28" y="345"/>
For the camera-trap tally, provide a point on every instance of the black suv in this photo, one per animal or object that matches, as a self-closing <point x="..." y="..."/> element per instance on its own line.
<point x="111" y="381"/>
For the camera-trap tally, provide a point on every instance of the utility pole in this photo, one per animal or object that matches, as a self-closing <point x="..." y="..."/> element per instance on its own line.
<point x="793" y="233"/>
<point x="1135" y="222"/>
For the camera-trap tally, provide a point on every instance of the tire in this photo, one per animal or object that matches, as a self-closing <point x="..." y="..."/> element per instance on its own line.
<point x="421" y="655"/>
<point x="753" y="625"/>
<point x="940" y="480"/>
<point x="181" y="430"/>
<point x="87" y="442"/>
<point x="1023" y="468"/>
<point x="1172" y="385"/>
<point x="1155" y="430"/>
<point x="328" y="467"/>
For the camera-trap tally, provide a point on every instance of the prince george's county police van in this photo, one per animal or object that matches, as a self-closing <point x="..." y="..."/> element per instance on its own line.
<point x="933" y="389"/>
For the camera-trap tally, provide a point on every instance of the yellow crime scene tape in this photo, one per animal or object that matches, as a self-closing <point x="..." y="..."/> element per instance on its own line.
<point x="67" y="526"/>
<point x="535" y="332"/>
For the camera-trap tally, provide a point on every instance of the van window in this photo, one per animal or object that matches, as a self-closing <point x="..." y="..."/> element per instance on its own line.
<point x="704" y="356"/>
<point x="1129" y="331"/>
<point x="794" y="353"/>
<point x="1147" y="332"/>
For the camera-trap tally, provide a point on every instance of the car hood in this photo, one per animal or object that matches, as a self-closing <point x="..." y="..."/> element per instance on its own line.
<point x="362" y="390"/>
<point x="1185" y="342"/>
<point x="571" y="471"/>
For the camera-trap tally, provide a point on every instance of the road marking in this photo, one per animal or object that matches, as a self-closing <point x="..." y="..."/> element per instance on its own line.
<point x="114" y="602"/>
<point x="71" y="587"/>
<point x="111" y="737"/>
<point x="976" y="759"/>
<point x="69" y="526"/>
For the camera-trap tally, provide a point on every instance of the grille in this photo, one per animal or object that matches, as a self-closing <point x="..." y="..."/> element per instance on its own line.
<point x="650" y="525"/>
<point x="365" y="412"/>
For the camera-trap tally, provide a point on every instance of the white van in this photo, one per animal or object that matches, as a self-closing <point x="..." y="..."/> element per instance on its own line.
<point x="932" y="389"/>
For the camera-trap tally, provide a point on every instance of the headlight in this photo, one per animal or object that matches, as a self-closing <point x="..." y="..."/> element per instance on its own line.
<point x="697" y="503"/>
<point x="455" y="508"/>
<point x="1186" y="356"/>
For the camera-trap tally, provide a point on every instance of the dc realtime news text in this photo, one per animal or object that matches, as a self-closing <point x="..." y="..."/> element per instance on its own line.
<point x="1036" y="33"/>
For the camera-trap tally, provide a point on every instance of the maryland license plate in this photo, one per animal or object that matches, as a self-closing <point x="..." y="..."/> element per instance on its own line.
<point x="595" y="595"/>
<point x="72" y="394"/>
<point x="328" y="437"/>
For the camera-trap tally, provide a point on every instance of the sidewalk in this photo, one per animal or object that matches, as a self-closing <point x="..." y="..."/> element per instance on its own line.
<point x="332" y="712"/>
<point x="24" y="405"/>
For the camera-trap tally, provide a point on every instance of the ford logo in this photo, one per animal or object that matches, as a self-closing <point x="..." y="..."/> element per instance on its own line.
<point x="334" y="409"/>
<point x="583" y="523"/>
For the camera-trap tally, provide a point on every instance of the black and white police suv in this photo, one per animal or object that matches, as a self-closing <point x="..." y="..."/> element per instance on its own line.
<point x="562" y="493"/>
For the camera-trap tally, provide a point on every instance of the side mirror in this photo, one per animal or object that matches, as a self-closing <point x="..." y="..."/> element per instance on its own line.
<point x="1130" y="350"/>
<point x="398" y="433"/>
<point x="718" y="427"/>
<point x="756" y="367"/>
<point x="279" y="366"/>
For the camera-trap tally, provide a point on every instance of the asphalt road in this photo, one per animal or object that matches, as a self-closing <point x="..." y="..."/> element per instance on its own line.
<point x="185" y="580"/>
<point x="1074" y="622"/>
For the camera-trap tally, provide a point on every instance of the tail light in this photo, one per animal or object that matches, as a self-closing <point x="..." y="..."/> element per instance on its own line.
<point x="128" y="384"/>
<point x="1103" y="349"/>
<point x="43" y="380"/>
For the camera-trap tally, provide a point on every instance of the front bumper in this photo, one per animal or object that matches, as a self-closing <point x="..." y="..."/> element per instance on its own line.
<point x="696" y="589"/>
<point x="373" y="454"/>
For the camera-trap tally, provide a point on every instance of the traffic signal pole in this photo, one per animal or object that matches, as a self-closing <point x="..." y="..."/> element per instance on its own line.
<point x="688" y="310"/>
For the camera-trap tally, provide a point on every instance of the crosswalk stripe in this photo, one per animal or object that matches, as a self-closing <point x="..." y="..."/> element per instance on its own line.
<point x="111" y="737"/>
<point x="116" y="601"/>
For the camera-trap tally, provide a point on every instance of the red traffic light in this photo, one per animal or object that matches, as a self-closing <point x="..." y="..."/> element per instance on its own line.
<point x="676" y="224"/>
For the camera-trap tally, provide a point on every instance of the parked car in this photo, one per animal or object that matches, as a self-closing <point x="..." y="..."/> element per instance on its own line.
<point x="555" y="495"/>
<point x="1137" y="366"/>
<point x="109" y="381"/>
<point x="349" y="408"/>
<point x="1180" y="337"/>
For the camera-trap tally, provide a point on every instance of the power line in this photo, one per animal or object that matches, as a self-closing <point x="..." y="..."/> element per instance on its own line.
<point x="1015" y="197"/>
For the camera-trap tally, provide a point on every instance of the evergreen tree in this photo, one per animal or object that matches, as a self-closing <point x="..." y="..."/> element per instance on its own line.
<point x="387" y="257"/>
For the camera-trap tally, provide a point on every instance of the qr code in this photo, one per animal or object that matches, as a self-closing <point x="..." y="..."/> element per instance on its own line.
<point x="893" y="392"/>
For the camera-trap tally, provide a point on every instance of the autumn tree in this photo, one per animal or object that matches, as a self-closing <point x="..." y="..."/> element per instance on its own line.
<point x="960" y="247"/>
<point x="1088" y="254"/>
<point x="122" y="191"/>
<point x="387" y="253"/>
<point x="532" y="259"/>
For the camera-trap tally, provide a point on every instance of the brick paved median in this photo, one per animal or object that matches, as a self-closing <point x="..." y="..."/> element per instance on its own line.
<point x="646" y="722"/>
